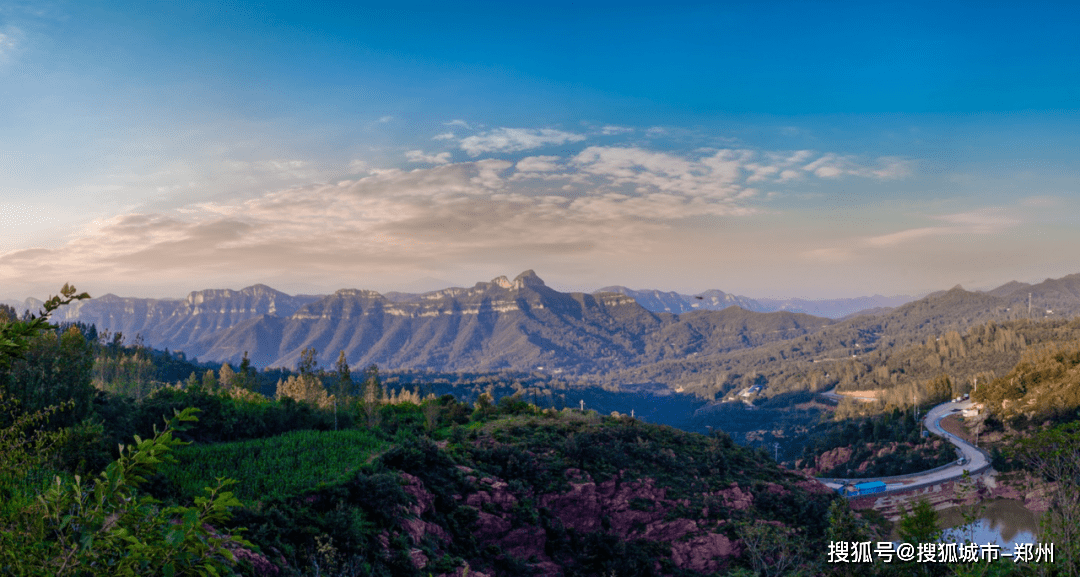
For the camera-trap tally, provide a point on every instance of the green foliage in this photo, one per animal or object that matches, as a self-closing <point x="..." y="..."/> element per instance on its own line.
<point x="15" y="335"/>
<point x="774" y="550"/>
<point x="107" y="528"/>
<point x="882" y="445"/>
<point x="1044" y="385"/>
<point x="24" y="447"/>
<point x="920" y="524"/>
<point x="273" y="468"/>
<point x="1054" y="455"/>
<point x="55" y="367"/>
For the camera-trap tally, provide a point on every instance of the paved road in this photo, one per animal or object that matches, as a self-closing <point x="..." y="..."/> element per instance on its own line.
<point x="974" y="459"/>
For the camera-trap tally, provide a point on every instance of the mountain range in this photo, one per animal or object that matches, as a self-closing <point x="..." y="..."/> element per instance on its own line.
<point x="714" y="300"/>
<point x="522" y="324"/>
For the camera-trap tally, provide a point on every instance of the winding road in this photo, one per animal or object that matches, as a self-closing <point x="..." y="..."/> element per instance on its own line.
<point x="975" y="460"/>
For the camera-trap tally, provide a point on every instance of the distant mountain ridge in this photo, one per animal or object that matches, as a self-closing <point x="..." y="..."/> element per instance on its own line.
<point x="522" y="324"/>
<point x="714" y="300"/>
<point x="519" y="324"/>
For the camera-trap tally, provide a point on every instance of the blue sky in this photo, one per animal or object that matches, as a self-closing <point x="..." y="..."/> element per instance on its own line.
<point x="767" y="149"/>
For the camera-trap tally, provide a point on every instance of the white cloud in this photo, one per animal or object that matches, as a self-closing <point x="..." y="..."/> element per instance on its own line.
<point x="515" y="140"/>
<point x="489" y="171"/>
<point x="10" y="38"/>
<point x="613" y="130"/>
<point x="982" y="222"/>
<point x="385" y="118"/>
<point x="834" y="166"/>
<point x="460" y="123"/>
<point x="711" y="177"/>
<point x="538" y="164"/>
<point x="444" y="136"/>
<point x="599" y="201"/>
<point x="419" y="156"/>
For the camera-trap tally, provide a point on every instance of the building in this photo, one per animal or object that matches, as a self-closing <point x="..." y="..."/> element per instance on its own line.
<point x="863" y="488"/>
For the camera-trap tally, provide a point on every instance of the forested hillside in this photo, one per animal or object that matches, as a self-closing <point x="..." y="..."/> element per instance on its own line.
<point x="357" y="480"/>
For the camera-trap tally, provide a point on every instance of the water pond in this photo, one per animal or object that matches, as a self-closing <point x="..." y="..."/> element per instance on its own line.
<point x="1002" y="521"/>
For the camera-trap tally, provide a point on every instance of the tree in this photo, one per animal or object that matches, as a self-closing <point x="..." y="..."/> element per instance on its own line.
<point x="209" y="380"/>
<point x="845" y="526"/>
<point x="773" y="549"/>
<point x="245" y="378"/>
<point x="15" y="336"/>
<point x="343" y="383"/>
<point x="1054" y="456"/>
<point x="106" y="528"/>
<point x="304" y="388"/>
<point x="920" y="524"/>
<point x="307" y="364"/>
<point x="8" y="313"/>
<point x="372" y="395"/>
<point x="226" y="376"/>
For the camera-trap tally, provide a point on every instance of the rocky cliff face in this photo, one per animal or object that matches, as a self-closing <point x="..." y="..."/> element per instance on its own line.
<point x="696" y="530"/>
<point x="519" y="324"/>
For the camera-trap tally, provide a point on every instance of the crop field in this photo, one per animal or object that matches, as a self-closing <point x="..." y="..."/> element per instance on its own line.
<point x="274" y="467"/>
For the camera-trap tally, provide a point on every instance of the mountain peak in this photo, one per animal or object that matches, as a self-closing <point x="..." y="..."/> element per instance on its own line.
<point x="503" y="282"/>
<point x="528" y="278"/>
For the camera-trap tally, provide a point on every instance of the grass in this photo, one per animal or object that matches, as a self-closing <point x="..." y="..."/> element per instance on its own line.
<point x="276" y="467"/>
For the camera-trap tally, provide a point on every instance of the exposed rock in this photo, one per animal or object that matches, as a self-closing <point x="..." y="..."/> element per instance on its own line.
<point x="637" y="510"/>
<point x="465" y="571"/>
<point x="415" y="527"/>
<point x="491" y="527"/>
<point x="419" y="560"/>
<point x="525" y="542"/>
<point x="735" y="498"/>
<point x="701" y="553"/>
<point x="830" y="459"/>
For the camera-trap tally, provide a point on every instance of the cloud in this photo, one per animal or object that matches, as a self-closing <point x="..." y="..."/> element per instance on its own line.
<point x="7" y="44"/>
<point x="515" y="140"/>
<point x="834" y="166"/>
<point x="419" y="156"/>
<point x="385" y="119"/>
<point x="598" y="202"/>
<point x="610" y="130"/>
<point x="712" y="177"/>
<point x="538" y="164"/>
<point x="982" y="222"/>
<point x="11" y="40"/>
<point x="460" y="123"/>
<point x="444" y="136"/>
<point x="831" y="255"/>
<point x="1045" y="201"/>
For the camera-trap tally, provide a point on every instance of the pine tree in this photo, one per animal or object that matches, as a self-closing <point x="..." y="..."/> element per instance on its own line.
<point x="342" y="384"/>
<point x="245" y="379"/>
<point x="209" y="380"/>
<point x="226" y="376"/>
<point x="373" y="395"/>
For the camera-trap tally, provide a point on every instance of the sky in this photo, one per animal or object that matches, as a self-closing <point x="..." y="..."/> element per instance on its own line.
<point x="767" y="149"/>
